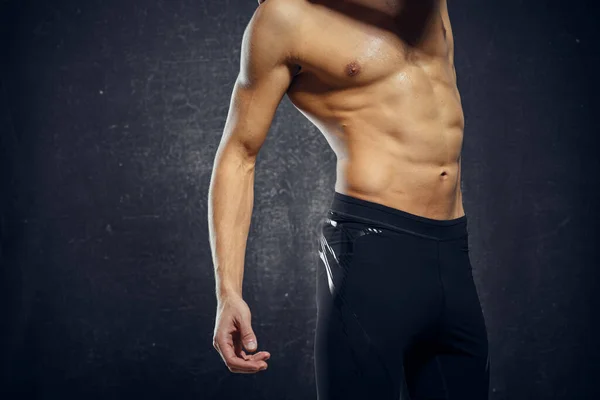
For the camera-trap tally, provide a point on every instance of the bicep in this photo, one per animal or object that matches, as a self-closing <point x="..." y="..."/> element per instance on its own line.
<point x="252" y="109"/>
<point x="264" y="77"/>
<point x="448" y="27"/>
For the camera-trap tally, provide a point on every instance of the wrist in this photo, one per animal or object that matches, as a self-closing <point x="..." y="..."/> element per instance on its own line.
<point x="226" y="291"/>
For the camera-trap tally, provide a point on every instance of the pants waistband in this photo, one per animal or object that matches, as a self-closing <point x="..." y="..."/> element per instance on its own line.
<point x="353" y="208"/>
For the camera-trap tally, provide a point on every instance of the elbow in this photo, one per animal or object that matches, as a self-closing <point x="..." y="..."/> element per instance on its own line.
<point x="236" y="155"/>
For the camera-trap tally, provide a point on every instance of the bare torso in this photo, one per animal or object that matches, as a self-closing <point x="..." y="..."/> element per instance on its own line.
<point x="378" y="80"/>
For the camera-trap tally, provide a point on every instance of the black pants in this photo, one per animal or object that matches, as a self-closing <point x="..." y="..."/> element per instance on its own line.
<point x="398" y="312"/>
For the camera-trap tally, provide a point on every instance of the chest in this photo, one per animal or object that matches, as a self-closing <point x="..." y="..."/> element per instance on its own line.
<point x="355" y="45"/>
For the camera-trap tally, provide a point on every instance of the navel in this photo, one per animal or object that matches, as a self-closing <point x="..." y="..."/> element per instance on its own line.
<point x="353" y="68"/>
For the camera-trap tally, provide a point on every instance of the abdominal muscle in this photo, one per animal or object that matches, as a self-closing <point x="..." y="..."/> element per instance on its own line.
<point x="422" y="189"/>
<point x="397" y="140"/>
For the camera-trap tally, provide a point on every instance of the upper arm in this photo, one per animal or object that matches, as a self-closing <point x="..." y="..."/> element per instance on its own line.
<point x="265" y="75"/>
<point x="448" y="27"/>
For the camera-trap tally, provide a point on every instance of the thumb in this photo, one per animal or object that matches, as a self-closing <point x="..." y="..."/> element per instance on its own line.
<point x="248" y="336"/>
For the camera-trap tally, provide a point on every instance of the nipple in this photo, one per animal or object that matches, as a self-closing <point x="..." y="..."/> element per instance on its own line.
<point x="353" y="68"/>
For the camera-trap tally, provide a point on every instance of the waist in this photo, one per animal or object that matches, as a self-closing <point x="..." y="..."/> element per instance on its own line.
<point x="354" y="208"/>
<point x="419" y="188"/>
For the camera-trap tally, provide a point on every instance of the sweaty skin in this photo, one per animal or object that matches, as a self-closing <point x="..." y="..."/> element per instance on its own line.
<point x="377" y="78"/>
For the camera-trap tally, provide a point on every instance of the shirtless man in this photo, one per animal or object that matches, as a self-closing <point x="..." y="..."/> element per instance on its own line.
<point x="398" y="313"/>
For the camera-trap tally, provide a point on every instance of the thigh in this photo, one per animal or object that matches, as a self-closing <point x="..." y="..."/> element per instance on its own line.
<point x="375" y="290"/>
<point x="456" y="363"/>
<point x="434" y="375"/>
<point x="464" y="359"/>
<point x="348" y="364"/>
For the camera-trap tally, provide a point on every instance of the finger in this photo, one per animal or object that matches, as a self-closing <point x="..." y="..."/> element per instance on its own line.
<point x="238" y="347"/>
<point x="237" y="344"/>
<point x="248" y="337"/>
<point x="244" y="371"/>
<point x="216" y="344"/>
<point x="240" y="371"/>
<point x="235" y="362"/>
<point x="260" y="356"/>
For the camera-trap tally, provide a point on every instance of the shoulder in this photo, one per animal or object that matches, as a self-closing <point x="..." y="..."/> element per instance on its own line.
<point x="281" y="10"/>
<point x="271" y="39"/>
<point x="275" y="26"/>
<point x="281" y="17"/>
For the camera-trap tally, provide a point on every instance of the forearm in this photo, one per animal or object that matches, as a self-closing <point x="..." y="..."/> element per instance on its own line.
<point x="230" y="203"/>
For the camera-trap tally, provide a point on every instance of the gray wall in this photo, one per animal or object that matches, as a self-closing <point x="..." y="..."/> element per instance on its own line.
<point x="110" y="114"/>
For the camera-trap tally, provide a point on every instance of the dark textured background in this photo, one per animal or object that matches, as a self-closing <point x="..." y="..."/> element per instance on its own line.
<point x="110" y="114"/>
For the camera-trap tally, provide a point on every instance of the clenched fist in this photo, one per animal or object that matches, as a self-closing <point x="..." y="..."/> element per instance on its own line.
<point x="233" y="333"/>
